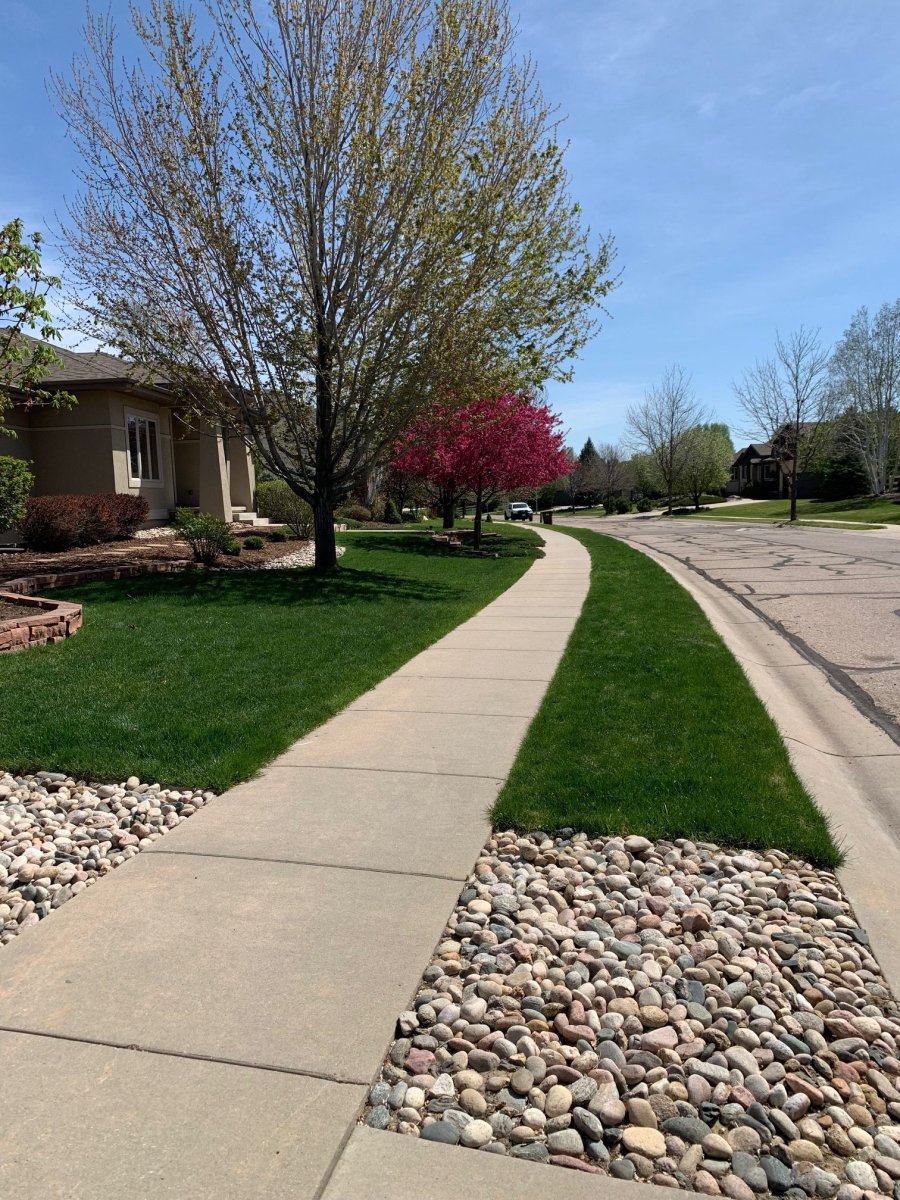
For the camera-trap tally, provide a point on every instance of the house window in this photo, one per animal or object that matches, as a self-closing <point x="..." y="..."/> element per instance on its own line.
<point x="143" y="448"/>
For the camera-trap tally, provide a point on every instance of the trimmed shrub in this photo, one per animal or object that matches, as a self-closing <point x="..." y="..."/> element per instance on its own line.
<point x="61" y="522"/>
<point x="254" y="543"/>
<point x="279" y="535"/>
<point x="645" y="505"/>
<point x="275" y="500"/>
<point x="353" y="512"/>
<point x="207" y="536"/>
<point x="233" y="549"/>
<point x="623" y="505"/>
<point x="16" y="481"/>
<point x="391" y="512"/>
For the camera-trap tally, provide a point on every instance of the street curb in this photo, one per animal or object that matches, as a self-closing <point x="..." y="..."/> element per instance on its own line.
<point x="850" y="766"/>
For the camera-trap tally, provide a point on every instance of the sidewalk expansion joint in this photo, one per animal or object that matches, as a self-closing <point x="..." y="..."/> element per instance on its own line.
<point x="303" y="862"/>
<point x="389" y="770"/>
<point x="325" y="1076"/>
<point x="442" y="712"/>
<point x="477" y="678"/>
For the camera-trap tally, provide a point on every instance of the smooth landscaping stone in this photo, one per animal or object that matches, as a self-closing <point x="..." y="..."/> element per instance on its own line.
<point x="734" y="1097"/>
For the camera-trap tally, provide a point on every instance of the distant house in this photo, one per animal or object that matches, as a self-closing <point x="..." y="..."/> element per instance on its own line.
<point x="762" y="470"/>
<point x="127" y="434"/>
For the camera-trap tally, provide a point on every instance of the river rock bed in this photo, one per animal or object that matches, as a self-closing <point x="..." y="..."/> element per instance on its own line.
<point x="306" y="557"/>
<point x="670" y="1012"/>
<point x="58" y="836"/>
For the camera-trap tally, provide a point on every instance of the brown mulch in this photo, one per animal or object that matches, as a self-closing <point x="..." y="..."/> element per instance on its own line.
<point x="118" y="554"/>
<point x="9" y="612"/>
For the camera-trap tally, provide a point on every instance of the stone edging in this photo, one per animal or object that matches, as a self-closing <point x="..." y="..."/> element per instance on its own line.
<point x="55" y="620"/>
<point x="49" y="621"/>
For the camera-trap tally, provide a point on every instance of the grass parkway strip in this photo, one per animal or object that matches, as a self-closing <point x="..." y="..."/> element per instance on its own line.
<point x="203" y="677"/>
<point x="650" y="727"/>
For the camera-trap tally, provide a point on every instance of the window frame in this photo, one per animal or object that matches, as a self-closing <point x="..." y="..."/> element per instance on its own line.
<point x="139" y="415"/>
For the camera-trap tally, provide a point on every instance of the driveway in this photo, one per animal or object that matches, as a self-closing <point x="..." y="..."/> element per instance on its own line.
<point x="834" y="594"/>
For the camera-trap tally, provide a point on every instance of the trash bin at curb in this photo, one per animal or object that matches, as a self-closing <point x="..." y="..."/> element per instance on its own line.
<point x="547" y="518"/>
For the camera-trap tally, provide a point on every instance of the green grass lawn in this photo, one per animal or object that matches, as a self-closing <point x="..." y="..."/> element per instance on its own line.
<point x="876" y="509"/>
<point x="650" y="727"/>
<point x="201" y="678"/>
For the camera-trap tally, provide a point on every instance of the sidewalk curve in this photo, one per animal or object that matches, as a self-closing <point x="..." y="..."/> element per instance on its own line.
<point x="207" y="1020"/>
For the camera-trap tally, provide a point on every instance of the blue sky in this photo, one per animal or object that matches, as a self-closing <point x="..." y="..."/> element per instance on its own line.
<point x="744" y="155"/>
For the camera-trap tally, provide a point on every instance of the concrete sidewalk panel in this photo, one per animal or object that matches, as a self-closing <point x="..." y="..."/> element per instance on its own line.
<point x="267" y="964"/>
<point x="448" y="663"/>
<point x="478" y="638"/>
<point x="151" y="1127"/>
<point x="392" y="1166"/>
<point x="455" y="743"/>
<point x="346" y="818"/>
<point x="481" y="697"/>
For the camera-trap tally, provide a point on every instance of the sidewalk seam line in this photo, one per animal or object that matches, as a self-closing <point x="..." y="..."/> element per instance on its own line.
<point x="296" y="862"/>
<point x="192" y="1057"/>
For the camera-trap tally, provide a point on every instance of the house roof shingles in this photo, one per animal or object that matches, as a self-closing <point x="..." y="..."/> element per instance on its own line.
<point x="92" y="366"/>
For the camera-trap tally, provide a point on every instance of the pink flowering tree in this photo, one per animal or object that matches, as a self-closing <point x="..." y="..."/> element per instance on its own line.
<point x="488" y="446"/>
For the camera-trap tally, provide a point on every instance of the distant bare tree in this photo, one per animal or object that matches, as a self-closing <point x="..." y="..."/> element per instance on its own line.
<point x="660" y="426"/>
<point x="865" y="370"/>
<point x="612" y="469"/>
<point x="789" y="399"/>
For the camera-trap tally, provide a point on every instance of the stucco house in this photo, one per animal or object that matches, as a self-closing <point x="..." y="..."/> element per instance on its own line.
<point x="128" y="435"/>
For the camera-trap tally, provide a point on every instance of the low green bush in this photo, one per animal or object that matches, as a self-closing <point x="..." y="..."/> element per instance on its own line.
<point x="353" y="512"/>
<point x="254" y="543"/>
<point x="233" y="549"/>
<point x="645" y="505"/>
<point x="275" y="500"/>
<point x="16" y="481"/>
<point x="279" y="535"/>
<point x="391" y="512"/>
<point x="623" y="505"/>
<point x="207" y="536"/>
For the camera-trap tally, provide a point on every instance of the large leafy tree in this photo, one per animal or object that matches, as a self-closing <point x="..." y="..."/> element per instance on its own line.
<point x="24" y="288"/>
<point x="490" y="445"/>
<point x="865" y="371"/>
<point x="708" y="464"/>
<point x="318" y="217"/>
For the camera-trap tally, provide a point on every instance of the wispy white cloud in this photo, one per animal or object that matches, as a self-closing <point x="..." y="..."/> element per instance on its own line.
<point x="814" y="93"/>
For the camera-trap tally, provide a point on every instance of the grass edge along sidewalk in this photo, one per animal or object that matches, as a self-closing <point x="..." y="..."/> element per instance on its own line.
<point x="651" y="727"/>
<point x="200" y="678"/>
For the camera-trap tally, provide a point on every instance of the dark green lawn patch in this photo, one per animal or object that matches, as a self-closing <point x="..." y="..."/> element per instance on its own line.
<point x="201" y="678"/>
<point x="650" y="727"/>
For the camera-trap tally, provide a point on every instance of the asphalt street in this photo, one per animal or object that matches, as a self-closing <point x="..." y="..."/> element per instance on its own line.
<point x="834" y="594"/>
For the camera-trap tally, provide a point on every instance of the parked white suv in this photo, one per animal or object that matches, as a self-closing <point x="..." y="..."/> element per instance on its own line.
<point x="518" y="511"/>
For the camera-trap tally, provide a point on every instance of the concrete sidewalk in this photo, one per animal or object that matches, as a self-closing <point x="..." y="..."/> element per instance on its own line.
<point x="206" y="1021"/>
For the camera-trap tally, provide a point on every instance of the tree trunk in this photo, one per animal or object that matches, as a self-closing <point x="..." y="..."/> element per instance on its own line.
<point x="476" y="541"/>
<point x="670" y="500"/>
<point x="447" y="507"/>
<point x="794" y="492"/>
<point x="326" y="546"/>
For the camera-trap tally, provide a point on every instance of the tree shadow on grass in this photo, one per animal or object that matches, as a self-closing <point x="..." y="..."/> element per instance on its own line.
<point x="287" y="588"/>
<point x="495" y="544"/>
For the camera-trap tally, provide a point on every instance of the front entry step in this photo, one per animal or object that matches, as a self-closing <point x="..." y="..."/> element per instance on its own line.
<point x="242" y="516"/>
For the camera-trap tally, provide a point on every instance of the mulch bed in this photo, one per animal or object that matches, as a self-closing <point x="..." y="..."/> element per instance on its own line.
<point x="119" y="554"/>
<point x="9" y="612"/>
